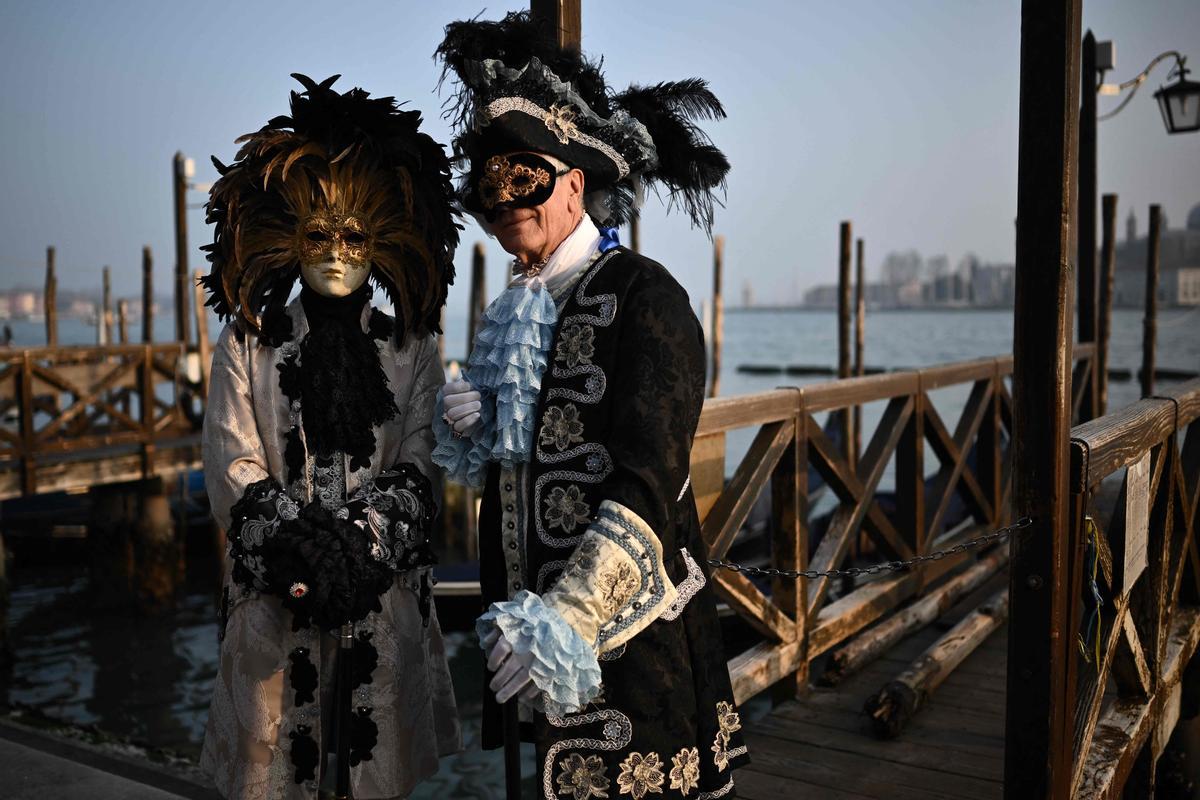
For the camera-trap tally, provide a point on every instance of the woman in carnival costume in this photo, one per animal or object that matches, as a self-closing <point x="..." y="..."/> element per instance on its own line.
<point x="317" y="447"/>
<point x="576" y="415"/>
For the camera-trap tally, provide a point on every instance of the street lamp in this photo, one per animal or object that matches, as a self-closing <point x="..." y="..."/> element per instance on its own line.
<point x="1180" y="102"/>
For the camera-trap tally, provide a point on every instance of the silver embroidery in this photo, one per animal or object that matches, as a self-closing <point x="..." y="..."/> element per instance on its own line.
<point x="595" y="384"/>
<point x="683" y="491"/>
<point x="724" y="790"/>
<point x="649" y="572"/>
<point x="614" y="654"/>
<point x="503" y="105"/>
<point x="563" y="475"/>
<point x="544" y="572"/>
<point x="618" y="732"/>
<point x="687" y="589"/>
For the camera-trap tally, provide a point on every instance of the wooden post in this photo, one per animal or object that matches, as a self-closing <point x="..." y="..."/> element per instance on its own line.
<point x="860" y="317"/>
<point x="718" y="316"/>
<point x="203" y="346"/>
<point x="1086" y="292"/>
<point x="635" y="232"/>
<point x="107" y="309"/>
<point x="182" y="330"/>
<point x="50" y="300"/>
<point x="1108" y="255"/>
<point x="478" y="296"/>
<point x="1150" y="320"/>
<point x="565" y="15"/>
<point x="123" y="321"/>
<point x="147" y="295"/>
<point x="845" y="421"/>
<point x="1037" y="753"/>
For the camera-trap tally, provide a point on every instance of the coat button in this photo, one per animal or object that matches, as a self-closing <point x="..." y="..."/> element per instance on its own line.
<point x="516" y="567"/>
<point x="508" y="507"/>
<point x="512" y="545"/>
<point x="517" y="586"/>
<point x="508" y="487"/>
<point x="511" y="526"/>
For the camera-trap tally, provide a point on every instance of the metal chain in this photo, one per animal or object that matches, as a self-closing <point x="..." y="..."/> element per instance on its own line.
<point x="874" y="569"/>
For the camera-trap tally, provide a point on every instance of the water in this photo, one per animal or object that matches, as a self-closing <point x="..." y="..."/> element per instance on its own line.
<point x="150" y="678"/>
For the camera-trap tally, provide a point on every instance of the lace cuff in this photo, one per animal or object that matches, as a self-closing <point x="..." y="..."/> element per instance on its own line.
<point x="615" y="583"/>
<point x="564" y="666"/>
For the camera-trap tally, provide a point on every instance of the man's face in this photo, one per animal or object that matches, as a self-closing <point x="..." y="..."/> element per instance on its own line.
<point x="533" y="233"/>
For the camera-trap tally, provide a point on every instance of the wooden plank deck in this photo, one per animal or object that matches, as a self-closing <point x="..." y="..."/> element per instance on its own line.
<point x="821" y="747"/>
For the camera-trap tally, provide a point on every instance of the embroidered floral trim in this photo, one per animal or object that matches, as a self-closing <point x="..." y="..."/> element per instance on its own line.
<point x="566" y="509"/>
<point x="617" y="584"/>
<point x="582" y="778"/>
<point x="617" y="732"/>
<point x="561" y="427"/>
<point x="576" y="345"/>
<point x="685" y="770"/>
<point x="640" y="775"/>
<point x="728" y="722"/>
<point x="719" y="793"/>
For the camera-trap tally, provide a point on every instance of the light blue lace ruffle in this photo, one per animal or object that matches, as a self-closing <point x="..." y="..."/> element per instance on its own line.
<point x="507" y="360"/>
<point x="564" y="666"/>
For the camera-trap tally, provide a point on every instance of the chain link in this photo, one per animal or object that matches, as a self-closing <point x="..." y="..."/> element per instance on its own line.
<point x="874" y="569"/>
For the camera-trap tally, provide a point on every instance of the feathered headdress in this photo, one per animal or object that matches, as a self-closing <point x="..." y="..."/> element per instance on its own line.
<point x="518" y="90"/>
<point x="346" y="157"/>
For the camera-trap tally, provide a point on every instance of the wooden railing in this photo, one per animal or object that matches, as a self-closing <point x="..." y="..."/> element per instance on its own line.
<point x="73" y="417"/>
<point x="1140" y="488"/>
<point x="797" y="620"/>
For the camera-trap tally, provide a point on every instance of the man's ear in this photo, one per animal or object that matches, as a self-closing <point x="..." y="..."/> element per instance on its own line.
<point x="576" y="182"/>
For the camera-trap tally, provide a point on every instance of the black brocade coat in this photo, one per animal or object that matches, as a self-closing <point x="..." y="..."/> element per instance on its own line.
<point x="638" y="391"/>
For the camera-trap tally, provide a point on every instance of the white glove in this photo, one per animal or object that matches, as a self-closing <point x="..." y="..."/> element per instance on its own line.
<point x="462" y="404"/>
<point x="511" y="670"/>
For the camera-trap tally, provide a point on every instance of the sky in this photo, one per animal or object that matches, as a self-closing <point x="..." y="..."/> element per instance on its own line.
<point x="900" y="117"/>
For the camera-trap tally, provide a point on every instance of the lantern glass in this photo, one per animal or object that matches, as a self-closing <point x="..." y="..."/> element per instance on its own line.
<point x="1180" y="106"/>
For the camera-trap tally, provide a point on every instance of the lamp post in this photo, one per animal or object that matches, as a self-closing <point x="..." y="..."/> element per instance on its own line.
<point x="1179" y="103"/>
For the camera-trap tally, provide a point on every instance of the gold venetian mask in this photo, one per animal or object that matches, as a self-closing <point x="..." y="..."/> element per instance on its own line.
<point x="329" y="236"/>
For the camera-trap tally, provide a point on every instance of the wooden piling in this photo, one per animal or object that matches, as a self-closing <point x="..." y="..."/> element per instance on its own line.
<point x="203" y="345"/>
<point x="564" y="15"/>
<point x="478" y="301"/>
<point x="1038" y="720"/>
<point x="106" y="306"/>
<point x="182" y="329"/>
<point x="5" y="650"/>
<point x="1108" y="257"/>
<point x="123" y="321"/>
<point x="635" y="232"/>
<point x="845" y="421"/>
<point x="50" y="300"/>
<point x="1150" y="320"/>
<point x="1086" y="259"/>
<point x="718" y="317"/>
<point x="860" y="316"/>
<point x="147" y="295"/>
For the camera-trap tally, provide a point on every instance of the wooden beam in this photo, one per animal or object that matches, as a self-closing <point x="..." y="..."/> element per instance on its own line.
<point x="50" y="300"/>
<point x="728" y="514"/>
<point x="564" y="16"/>
<point x="844" y="418"/>
<point x="1039" y="715"/>
<point x="1108" y="260"/>
<point x="179" y="197"/>
<point x="478" y="301"/>
<point x="753" y="606"/>
<point x="147" y="295"/>
<point x="718" y="318"/>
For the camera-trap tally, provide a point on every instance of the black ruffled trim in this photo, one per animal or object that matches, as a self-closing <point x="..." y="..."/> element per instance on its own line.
<point x="303" y="753"/>
<point x="364" y="735"/>
<point x="302" y="676"/>
<point x="380" y="326"/>
<point x="365" y="658"/>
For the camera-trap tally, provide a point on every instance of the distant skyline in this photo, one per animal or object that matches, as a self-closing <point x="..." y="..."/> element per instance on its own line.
<point x="899" y="117"/>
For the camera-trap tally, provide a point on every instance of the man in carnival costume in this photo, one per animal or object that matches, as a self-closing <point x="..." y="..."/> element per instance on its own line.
<point x="317" y="447"/>
<point x="576" y="414"/>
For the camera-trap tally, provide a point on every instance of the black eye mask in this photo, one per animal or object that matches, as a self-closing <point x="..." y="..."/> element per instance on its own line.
<point x="518" y="180"/>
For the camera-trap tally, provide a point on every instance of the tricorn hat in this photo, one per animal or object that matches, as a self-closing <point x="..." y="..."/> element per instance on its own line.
<point x="518" y="90"/>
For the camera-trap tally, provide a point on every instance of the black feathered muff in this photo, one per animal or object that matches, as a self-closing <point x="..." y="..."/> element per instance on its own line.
<point x="344" y="167"/>
<point x="518" y="90"/>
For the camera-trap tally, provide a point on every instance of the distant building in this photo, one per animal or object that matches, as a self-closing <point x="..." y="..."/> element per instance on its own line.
<point x="1178" y="265"/>
<point x="23" y="304"/>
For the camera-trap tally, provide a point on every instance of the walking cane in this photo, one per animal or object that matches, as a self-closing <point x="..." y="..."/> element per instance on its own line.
<point x="341" y="720"/>
<point x="512" y="751"/>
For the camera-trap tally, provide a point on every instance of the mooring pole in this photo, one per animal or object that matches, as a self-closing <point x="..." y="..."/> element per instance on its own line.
<point x="1086" y="273"/>
<point x="1037" y="752"/>
<point x="1108" y="257"/>
<point x="107" y="310"/>
<point x="718" y="316"/>
<point x="843" y="355"/>
<point x="478" y="294"/>
<point x="860" y="319"/>
<point x="635" y="232"/>
<point x="50" y="300"/>
<point x="182" y="329"/>
<point x="147" y="295"/>
<point x="1150" y="320"/>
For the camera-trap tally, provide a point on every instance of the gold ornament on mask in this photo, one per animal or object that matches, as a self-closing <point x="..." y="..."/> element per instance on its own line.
<point x="327" y="236"/>
<point x="503" y="182"/>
